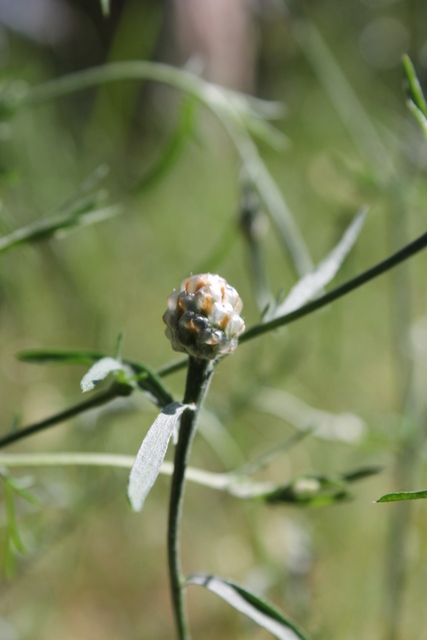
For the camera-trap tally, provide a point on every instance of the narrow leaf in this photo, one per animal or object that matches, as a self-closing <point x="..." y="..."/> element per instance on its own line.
<point x="146" y="378"/>
<point x="150" y="456"/>
<point x="418" y="115"/>
<point x="347" y="427"/>
<point x="317" y="490"/>
<point x="313" y="282"/>
<point x="59" y="356"/>
<point x="15" y="485"/>
<point x="117" y="350"/>
<point x="403" y="495"/>
<point x="15" y="537"/>
<point x="258" y="610"/>
<point x="252" y="223"/>
<point x="350" y="110"/>
<point x="413" y="90"/>
<point x="9" y="563"/>
<point x="265" y="458"/>
<point x="310" y="491"/>
<point x="82" y="215"/>
<point x="99" y="371"/>
<point x="175" y="146"/>
<point x="361" y="474"/>
<point x="84" y="188"/>
<point x="267" y="133"/>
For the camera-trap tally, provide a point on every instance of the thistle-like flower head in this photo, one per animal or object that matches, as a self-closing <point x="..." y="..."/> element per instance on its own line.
<point x="203" y="318"/>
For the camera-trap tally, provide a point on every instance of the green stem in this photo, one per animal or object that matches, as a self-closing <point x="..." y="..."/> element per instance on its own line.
<point x="400" y="256"/>
<point x="198" y="378"/>
<point x="212" y="480"/>
<point x="114" y="391"/>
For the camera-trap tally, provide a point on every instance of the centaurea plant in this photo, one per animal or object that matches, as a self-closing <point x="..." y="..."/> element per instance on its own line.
<point x="203" y="321"/>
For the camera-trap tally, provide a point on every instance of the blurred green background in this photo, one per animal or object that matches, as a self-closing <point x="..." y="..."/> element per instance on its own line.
<point x="93" y="568"/>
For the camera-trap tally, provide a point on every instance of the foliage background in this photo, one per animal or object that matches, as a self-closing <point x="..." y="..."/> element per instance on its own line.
<point x="95" y="569"/>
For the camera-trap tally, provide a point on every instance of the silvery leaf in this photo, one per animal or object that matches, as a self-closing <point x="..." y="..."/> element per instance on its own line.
<point x="152" y="452"/>
<point x="261" y="612"/>
<point x="99" y="371"/>
<point x="311" y="284"/>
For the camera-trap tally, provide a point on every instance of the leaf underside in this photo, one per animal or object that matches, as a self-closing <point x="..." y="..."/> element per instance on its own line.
<point x="99" y="371"/>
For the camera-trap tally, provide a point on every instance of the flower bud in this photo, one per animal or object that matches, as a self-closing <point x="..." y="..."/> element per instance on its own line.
<point x="203" y="318"/>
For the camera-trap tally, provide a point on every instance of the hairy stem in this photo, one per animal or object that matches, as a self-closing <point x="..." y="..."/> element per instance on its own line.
<point x="198" y="378"/>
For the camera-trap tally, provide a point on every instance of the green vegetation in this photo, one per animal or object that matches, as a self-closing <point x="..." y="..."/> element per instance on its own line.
<point x="120" y="176"/>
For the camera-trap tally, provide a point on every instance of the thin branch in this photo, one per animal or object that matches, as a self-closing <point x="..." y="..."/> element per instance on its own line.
<point x="210" y="479"/>
<point x="172" y="367"/>
<point x="400" y="256"/>
<point x="116" y="390"/>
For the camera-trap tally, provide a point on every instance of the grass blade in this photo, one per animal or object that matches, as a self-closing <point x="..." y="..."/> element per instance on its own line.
<point x="418" y="115"/>
<point x="412" y="86"/>
<point x="14" y="534"/>
<point x="43" y="229"/>
<point x="174" y="147"/>
<point x="342" y="96"/>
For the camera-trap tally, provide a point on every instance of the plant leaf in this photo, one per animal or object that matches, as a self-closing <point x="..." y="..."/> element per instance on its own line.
<point x="345" y="427"/>
<point x="15" y="537"/>
<point x="82" y="214"/>
<point x="313" y="282"/>
<point x="84" y="188"/>
<point x="310" y="491"/>
<point x="174" y="147"/>
<point x="9" y="563"/>
<point x="413" y="90"/>
<point x="101" y="370"/>
<point x="317" y="490"/>
<point x="361" y="474"/>
<point x="21" y="491"/>
<point x="150" y="456"/>
<point x="403" y="495"/>
<point x="414" y="94"/>
<point x="258" y="610"/>
<point x="146" y="379"/>
<point x="265" y="458"/>
<point x="418" y="115"/>
<point x="59" y="356"/>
